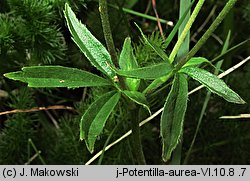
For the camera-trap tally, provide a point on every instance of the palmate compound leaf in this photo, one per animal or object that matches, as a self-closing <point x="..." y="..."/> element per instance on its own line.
<point x="172" y="118"/>
<point x="94" y="119"/>
<point x="149" y="72"/>
<point x="127" y="61"/>
<point x="213" y="83"/>
<point x="57" y="76"/>
<point x="88" y="44"/>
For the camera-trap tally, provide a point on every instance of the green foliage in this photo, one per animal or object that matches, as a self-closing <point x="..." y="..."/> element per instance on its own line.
<point x="40" y="10"/>
<point x="246" y="10"/>
<point x="56" y="76"/>
<point x="127" y="61"/>
<point x="6" y="34"/>
<point x="195" y="61"/>
<point x="19" y="128"/>
<point x="213" y="83"/>
<point x="180" y="23"/>
<point x="144" y="53"/>
<point x="94" y="119"/>
<point x="138" y="98"/>
<point x="172" y="118"/>
<point x="156" y="48"/>
<point x="207" y="98"/>
<point x="66" y="148"/>
<point x="35" y="30"/>
<point x="89" y="45"/>
<point x="149" y="72"/>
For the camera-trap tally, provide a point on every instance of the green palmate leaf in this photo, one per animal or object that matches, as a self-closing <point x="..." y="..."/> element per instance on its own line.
<point x="127" y="61"/>
<point x="94" y="119"/>
<point x="57" y="76"/>
<point x="195" y="61"/>
<point x="138" y="98"/>
<point x="173" y="115"/>
<point x="157" y="49"/>
<point x="213" y="83"/>
<point x="89" y="45"/>
<point x="149" y="72"/>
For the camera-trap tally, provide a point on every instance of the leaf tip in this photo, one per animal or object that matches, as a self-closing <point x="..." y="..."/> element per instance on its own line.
<point x="241" y="101"/>
<point x="166" y="157"/>
<point x="81" y="136"/>
<point x="148" y="109"/>
<point x="90" y="148"/>
<point x="13" y="75"/>
<point x="6" y="75"/>
<point x="235" y="98"/>
<point x="66" y="6"/>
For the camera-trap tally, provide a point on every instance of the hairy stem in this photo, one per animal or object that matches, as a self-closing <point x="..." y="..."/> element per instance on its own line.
<point x="186" y="30"/>
<point x="208" y="33"/>
<point x="107" y="31"/>
<point x="103" y="9"/>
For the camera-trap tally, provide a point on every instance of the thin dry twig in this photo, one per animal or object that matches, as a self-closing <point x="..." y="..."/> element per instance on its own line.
<point x="35" y="109"/>
<point x="52" y="119"/>
<point x="160" y="110"/>
<point x="241" y="116"/>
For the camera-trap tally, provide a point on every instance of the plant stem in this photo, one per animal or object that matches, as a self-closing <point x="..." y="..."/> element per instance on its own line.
<point x="137" y="146"/>
<point x="208" y="33"/>
<point x="183" y="50"/>
<point x="103" y="9"/>
<point x="186" y="30"/>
